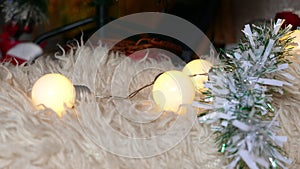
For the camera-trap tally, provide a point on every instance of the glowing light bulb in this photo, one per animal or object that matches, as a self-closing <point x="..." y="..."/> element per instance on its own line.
<point x="54" y="91"/>
<point x="171" y="89"/>
<point x="197" y="67"/>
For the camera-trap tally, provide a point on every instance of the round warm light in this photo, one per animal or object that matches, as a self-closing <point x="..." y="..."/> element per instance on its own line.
<point x="54" y="91"/>
<point x="171" y="89"/>
<point x="194" y="69"/>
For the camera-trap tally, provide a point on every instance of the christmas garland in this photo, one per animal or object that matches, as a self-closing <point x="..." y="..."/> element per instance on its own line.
<point x="239" y="100"/>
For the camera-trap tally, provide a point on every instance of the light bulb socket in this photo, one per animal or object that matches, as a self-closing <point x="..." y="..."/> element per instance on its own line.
<point x="83" y="93"/>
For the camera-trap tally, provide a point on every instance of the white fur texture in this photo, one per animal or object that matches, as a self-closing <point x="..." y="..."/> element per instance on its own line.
<point x="39" y="139"/>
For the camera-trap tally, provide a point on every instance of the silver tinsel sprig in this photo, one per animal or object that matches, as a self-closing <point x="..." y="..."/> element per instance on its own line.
<point x="240" y="98"/>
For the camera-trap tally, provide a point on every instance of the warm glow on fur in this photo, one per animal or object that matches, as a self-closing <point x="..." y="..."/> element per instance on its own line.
<point x="54" y="91"/>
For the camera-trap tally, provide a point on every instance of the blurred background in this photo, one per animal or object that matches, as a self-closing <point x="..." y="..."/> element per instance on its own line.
<point x="52" y="22"/>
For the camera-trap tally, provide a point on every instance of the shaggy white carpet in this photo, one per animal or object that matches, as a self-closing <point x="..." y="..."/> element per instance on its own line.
<point x="113" y="133"/>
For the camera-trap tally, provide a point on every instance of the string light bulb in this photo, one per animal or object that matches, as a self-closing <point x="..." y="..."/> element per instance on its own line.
<point x="54" y="91"/>
<point x="171" y="89"/>
<point x="197" y="70"/>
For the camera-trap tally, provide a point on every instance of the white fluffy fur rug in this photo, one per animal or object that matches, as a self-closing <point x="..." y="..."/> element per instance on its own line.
<point x="99" y="133"/>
